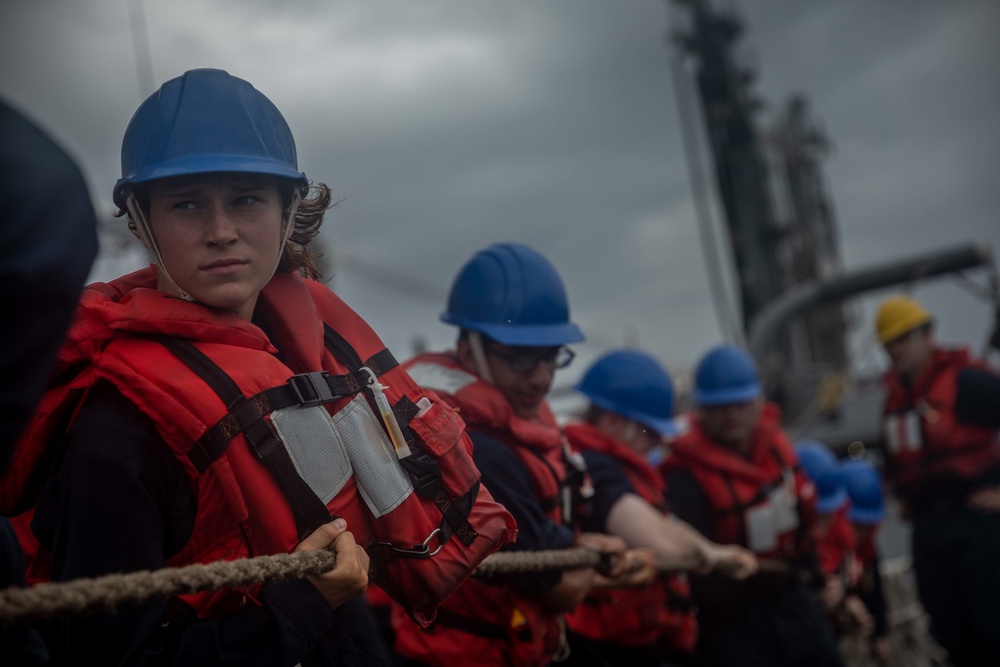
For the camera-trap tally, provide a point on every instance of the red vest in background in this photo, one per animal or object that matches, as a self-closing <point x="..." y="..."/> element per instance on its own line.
<point x="634" y="616"/>
<point x="867" y="551"/>
<point x="837" y="547"/>
<point x="765" y="502"/>
<point x="922" y="440"/>
<point x="492" y="623"/>
<point x="121" y="335"/>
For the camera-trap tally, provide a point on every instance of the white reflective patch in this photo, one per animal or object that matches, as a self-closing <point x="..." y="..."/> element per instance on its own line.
<point x="310" y="440"/>
<point x="381" y="479"/>
<point x="786" y="518"/>
<point x="903" y="433"/>
<point x="761" y="525"/>
<point x="914" y="437"/>
<point x="440" y="378"/>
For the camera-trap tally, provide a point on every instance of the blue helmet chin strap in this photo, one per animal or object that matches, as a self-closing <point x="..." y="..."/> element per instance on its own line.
<point x="479" y="354"/>
<point x="145" y="235"/>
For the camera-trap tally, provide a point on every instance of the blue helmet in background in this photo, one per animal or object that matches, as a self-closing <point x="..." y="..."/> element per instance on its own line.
<point x="823" y="468"/>
<point x="206" y="120"/>
<point x="864" y="487"/>
<point x="632" y="384"/>
<point x="724" y="376"/>
<point x="514" y="295"/>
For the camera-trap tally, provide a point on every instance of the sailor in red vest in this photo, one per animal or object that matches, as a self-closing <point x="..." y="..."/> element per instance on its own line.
<point x="223" y="404"/>
<point x="942" y="460"/>
<point x="735" y="477"/>
<point x="630" y="411"/>
<point x="866" y="512"/>
<point x="836" y="543"/>
<point x="511" y="308"/>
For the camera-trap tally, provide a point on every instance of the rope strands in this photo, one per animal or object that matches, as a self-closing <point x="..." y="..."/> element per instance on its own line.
<point x="907" y="620"/>
<point x="108" y="593"/>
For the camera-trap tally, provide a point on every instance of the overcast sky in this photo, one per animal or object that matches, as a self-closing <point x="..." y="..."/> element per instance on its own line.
<point x="445" y="126"/>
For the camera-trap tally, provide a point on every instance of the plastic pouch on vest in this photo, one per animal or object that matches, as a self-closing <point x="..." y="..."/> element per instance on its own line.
<point x="761" y="526"/>
<point x="381" y="480"/>
<point x="438" y="429"/>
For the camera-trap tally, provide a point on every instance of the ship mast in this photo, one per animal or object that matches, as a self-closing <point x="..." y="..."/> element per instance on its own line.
<point x="780" y="229"/>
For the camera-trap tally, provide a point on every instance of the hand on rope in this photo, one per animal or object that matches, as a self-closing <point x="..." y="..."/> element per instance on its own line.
<point x="639" y="569"/>
<point x="730" y="559"/>
<point x="610" y="548"/>
<point x="349" y="576"/>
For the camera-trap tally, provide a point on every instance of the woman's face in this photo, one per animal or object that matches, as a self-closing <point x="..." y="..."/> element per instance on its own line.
<point x="219" y="236"/>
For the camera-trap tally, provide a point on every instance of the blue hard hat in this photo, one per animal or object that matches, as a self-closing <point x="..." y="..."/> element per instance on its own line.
<point x="514" y="295"/>
<point x="822" y="467"/>
<point x="206" y="120"/>
<point x="632" y="384"/>
<point x="724" y="376"/>
<point x="864" y="487"/>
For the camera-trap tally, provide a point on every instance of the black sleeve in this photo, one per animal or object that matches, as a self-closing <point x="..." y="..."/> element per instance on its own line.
<point x="977" y="398"/>
<point x="610" y="484"/>
<point x="20" y="643"/>
<point x="688" y="502"/>
<point x="121" y="503"/>
<point x="511" y="485"/>
<point x="48" y="241"/>
<point x="873" y="596"/>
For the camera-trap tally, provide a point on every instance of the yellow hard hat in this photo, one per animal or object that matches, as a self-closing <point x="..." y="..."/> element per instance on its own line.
<point x="899" y="315"/>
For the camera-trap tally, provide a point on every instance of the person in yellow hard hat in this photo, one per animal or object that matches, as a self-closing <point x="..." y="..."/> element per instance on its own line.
<point x="942" y="459"/>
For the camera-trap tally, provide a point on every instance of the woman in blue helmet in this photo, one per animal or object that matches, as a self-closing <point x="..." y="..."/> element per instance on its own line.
<point x="218" y="405"/>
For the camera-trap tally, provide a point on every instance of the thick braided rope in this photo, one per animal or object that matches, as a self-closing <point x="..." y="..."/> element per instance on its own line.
<point x="538" y="561"/>
<point x="108" y="593"/>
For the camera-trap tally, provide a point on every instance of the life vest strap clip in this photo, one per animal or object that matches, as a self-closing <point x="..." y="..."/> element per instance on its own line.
<point x="384" y="551"/>
<point x="311" y="388"/>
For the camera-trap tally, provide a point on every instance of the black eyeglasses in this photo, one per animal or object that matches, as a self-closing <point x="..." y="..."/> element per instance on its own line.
<point x="526" y="361"/>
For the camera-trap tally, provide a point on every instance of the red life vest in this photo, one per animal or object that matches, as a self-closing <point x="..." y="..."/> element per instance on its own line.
<point x="161" y="353"/>
<point x="763" y="502"/>
<point x="634" y="616"/>
<point x="492" y="623"/>
<point x="923" y="442"/>
<point x="867" y="551"/>
<point x="836" y="547"/>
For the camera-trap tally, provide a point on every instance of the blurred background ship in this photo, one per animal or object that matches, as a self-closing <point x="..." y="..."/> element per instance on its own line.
<point x="777" y="277"/>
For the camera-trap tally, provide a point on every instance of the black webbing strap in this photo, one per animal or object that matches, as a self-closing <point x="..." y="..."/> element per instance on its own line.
<point x="472" y="626"/>
<point x="310" y="512"/>
<point x="303" y="389"/>
<point x="424" y="471"/>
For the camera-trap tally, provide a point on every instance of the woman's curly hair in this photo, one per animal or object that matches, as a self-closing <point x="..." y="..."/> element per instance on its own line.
<point x="296" y="255"/>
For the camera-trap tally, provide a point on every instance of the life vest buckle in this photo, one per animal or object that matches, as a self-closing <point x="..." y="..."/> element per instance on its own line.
<point x="385" y="551"/>
<point x="311" y="388"/>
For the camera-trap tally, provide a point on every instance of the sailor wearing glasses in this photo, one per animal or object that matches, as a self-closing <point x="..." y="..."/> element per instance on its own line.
<point x="510" y="307"/>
